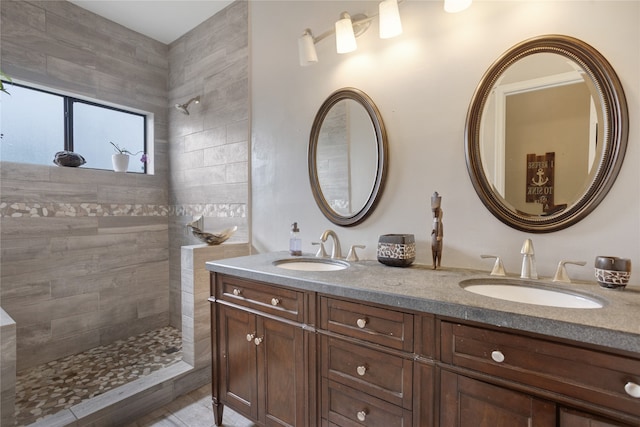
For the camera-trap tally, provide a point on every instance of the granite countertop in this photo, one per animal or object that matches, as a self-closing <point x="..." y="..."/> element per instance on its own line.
<point x="419" y="288"/>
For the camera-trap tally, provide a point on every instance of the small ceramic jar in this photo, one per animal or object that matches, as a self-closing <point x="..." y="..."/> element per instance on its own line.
<point x="397" y="250"/>
<point x="612" y="272"/>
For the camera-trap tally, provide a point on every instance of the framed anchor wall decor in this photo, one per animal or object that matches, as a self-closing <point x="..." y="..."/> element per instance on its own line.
<point x="539" y="187"/>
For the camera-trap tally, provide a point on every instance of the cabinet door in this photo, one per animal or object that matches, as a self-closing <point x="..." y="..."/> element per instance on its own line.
<point x="281" y="373"/>
<point x="238" y="375"/>
<point x="466" y="402"/>
<point x="569" y="418"/>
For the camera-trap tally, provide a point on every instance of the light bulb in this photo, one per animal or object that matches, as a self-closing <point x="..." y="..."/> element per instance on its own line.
<point x="345" y="38"/>
<point x="307" y="49"/>
<point x="390" y="24"/>
<point x="453" y="6"/>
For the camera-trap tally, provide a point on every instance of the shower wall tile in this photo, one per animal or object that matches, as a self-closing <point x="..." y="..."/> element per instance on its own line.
<point x="7" y="368"/>
<point x="33" y="355"/>
<point x="209" y="147"/>
<point x="84" y="253"/>
<point x="196" y="290"/>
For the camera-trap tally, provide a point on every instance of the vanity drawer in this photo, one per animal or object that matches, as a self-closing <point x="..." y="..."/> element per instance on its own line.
<point x="263" y="297"/>
<point x="386" y="376"/>
<point x="347" y="407"/>
<point x="393" y="329"/>
<point x="589" y="375"/>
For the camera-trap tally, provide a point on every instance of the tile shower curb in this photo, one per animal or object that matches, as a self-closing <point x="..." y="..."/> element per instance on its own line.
<point x="130" y="401"/>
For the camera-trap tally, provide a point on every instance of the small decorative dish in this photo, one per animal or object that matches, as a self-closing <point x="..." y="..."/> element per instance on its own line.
<point x="397" y="250"/>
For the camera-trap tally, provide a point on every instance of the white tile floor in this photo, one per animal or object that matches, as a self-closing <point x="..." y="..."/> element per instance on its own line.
<point x="191" y="410"/>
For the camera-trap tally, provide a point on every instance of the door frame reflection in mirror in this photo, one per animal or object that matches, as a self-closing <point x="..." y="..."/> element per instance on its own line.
<point x="610" y="95"/>
<point x="377" y="181"/>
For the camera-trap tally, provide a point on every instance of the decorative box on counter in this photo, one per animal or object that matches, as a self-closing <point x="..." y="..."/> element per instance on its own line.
<point x="397" y="250"/>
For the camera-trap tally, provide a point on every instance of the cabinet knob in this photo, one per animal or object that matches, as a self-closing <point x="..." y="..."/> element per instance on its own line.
<point x="497" y="356"/>
<point x="361" y="370"/>
<point x="275" y="301"/>
<point x="250" y="337"/>
<point x="237" y="292"/>
<point x="361" y="323"/>
<point x="258" y="340"/>
<point x="361" y="415"/>
<point x="632" y="389"/>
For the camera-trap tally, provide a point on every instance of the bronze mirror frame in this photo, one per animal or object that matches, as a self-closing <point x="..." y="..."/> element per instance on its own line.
<point x="363" y="99"/>
<point x="616" y="126"/>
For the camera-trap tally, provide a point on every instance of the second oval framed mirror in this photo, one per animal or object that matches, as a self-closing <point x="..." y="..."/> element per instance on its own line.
<point x="546" y="133"/>
<point x="347" y="157"/>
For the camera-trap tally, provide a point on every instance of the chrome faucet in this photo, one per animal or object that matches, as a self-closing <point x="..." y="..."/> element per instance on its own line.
<point x="528" y="261"/>
<point x="336" y="252"/>
<point x="561" y="272"/>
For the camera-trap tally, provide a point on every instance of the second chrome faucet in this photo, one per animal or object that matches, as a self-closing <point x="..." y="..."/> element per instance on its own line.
<point x="528" y="261"/>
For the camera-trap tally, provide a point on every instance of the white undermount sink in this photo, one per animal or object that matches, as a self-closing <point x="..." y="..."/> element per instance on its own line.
<point x="311" y="264"/>
<point x="529" y="293"/>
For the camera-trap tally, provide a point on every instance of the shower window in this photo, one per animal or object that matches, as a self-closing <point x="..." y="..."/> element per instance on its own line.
<point x="35" y="124"/>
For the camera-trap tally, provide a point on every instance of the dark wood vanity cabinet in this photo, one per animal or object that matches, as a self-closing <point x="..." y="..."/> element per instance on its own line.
<point x="284" y="357"/>
<point x="468" y="402"/>
<point x="491" y="375"/>
<point x="261" y="353"/>
<point x="366" y="364"/>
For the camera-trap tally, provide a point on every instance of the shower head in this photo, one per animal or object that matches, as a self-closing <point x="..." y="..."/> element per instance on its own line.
<point x="183" y="108"/>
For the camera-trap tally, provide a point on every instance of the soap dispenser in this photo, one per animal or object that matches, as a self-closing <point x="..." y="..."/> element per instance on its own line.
<point x="295" y="244"/>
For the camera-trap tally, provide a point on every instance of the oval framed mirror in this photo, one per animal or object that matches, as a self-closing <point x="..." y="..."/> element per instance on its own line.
<point x="546" y="133"/>
<point x="347" y="157"/>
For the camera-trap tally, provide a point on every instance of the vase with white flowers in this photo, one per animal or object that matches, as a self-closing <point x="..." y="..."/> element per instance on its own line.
<point x="120" y="159"/>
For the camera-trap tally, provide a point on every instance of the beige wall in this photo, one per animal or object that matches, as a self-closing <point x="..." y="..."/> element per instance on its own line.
<point x="422" y="82"/>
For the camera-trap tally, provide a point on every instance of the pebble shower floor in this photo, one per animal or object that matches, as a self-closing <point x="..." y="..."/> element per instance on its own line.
<point x="60" y="384"/>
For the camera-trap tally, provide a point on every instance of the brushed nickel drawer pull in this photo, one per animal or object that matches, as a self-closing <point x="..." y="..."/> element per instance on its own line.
<point x="361" y="370"/>
<point x="632" y="389"/>
<point x="250" y="337"/>
<point x="497" y="356"/>
<point x="257" y="341"/>
<point x="361" y="415"/>
<point x="237" y="292"/>
<point x="361" y="323"/>
<point x="275" y="301"/>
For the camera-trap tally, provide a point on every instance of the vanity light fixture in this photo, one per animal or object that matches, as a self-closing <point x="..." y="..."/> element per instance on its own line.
<point x="454" y="6"/>
<point x="345" y="37"/>
<point x="390" y="23"/>
<point x="347" y="29"/>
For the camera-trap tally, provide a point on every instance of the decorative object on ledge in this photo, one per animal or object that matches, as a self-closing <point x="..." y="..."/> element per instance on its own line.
<point x="437" y="232"/>
<point x="397" y="250"/>
<point x="69" y="159"/>
<point x="210" y="239"/>
<point x="613" y="272"/>
<point x="120" y="160"/>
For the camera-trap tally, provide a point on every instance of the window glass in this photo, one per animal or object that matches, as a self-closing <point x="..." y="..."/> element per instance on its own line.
<point x="32" y="125"/>
<point x="35" y="124"/>
<point x="95" y="126"/>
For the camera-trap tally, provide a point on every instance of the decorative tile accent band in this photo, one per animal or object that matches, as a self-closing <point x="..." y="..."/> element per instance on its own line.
<point x="218" y="210"/>
<point x="60" y="210"/>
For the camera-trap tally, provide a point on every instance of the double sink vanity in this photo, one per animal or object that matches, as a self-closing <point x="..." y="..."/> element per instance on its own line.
<point x="317" y="342"/>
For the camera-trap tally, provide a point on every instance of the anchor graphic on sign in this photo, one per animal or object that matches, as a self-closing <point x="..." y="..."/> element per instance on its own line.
<point x="542" y="180"/>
